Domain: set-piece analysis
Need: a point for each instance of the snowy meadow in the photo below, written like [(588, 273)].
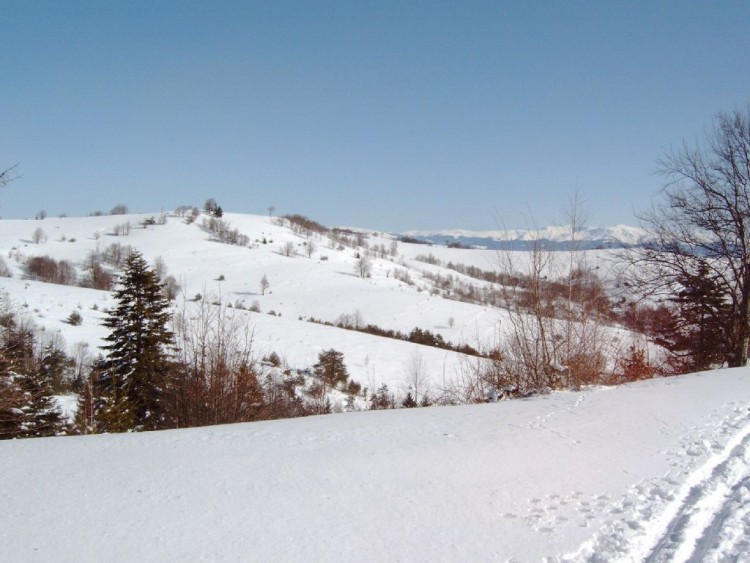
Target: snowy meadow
[(652, 469)]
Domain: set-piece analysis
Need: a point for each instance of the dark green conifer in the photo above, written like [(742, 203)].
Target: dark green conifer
[(135, 380)]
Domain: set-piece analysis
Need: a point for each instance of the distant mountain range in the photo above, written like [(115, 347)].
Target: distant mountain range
[(552, 238)]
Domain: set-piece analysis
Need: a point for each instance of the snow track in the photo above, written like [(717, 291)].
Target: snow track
[(698, 514), (694, 522)]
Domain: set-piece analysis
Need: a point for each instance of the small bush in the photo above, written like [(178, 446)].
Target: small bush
[(75, 318)]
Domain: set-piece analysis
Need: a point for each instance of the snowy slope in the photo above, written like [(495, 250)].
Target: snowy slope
[(323, 286), (655, 471)]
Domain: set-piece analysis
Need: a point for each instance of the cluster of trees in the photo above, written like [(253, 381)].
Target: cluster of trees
[(33, 368), (223, 232), (416, 335), (201, 371), (699, 260)]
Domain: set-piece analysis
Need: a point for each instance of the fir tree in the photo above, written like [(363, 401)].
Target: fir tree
[(331, 368), (382, 399), (136, 376), (700, 332), (409, 402), (27, 406)]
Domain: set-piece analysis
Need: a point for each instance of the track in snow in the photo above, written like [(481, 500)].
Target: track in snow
[(699, 514), (703, 523)]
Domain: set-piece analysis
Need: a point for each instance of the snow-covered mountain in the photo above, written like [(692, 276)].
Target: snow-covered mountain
[(553, 238)]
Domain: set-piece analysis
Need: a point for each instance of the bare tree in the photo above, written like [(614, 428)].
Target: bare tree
[(38, 236), (271, 209), (8, 175), (218, 378), (364, 265), (287, 249), (415, 376), (310, 248), (702, 223), (264, 284)]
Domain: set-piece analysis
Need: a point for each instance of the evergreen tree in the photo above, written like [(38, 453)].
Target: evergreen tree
[(39, 412), (136, 376), (27, 406), (53, 367), (409, 402), (382, 399), (700, 332), (331, 368)]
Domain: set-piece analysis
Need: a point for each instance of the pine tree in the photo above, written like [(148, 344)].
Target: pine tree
[(331, 368), (382, 399), (409, 402), (700, 332), (27, 406), (136, 375)]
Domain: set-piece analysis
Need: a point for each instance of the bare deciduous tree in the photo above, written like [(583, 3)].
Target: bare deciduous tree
[(264, 284), (415, 376), (702, 223), (287, 249), (363, 266), (218, 377), (310, 248), (38, 236), (8, 175)]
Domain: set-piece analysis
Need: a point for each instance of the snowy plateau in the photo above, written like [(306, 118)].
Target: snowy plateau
[(657, 470)]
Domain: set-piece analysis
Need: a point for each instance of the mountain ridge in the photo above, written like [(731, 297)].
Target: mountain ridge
[(551, 237)]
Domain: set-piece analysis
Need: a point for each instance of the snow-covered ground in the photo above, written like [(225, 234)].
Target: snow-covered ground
[(652, 471), (323, 286)]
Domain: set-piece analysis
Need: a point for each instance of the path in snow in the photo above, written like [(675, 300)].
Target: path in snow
[(706, 519)]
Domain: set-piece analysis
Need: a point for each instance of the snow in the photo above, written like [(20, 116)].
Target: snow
[(655, 471), (300, 288), (619, 233)]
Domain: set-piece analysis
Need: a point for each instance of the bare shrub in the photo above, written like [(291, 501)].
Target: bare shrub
[(287, 249), (46, 269), (38, 236), (119, 209), (218, 376)]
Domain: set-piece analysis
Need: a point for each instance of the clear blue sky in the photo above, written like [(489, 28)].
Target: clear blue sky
[(388, 115)]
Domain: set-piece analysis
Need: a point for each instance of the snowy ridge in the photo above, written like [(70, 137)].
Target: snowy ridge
[(557, 238)]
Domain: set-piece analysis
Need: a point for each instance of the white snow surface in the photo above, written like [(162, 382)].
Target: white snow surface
[(323, 286), (652, 471)]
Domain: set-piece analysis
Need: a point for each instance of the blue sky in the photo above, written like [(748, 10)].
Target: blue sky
[(388, 115)]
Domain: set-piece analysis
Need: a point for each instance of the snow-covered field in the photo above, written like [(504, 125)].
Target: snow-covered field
[(653, 471), (323, 286)]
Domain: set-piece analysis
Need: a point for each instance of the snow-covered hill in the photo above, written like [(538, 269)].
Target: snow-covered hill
[(322, 286), (318, 281), (656, 471)]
